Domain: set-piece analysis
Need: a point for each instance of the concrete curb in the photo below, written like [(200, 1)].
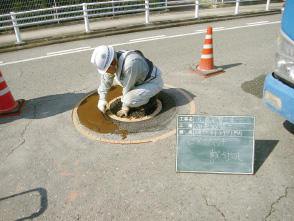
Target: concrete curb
[(128, 29)]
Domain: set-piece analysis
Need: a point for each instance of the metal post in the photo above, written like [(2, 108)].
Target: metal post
[(165, 4), (112, 8), (268, 4), (56, 12), (16, 29), (237, 7), (197, 9), (86, 19), (147, 11)]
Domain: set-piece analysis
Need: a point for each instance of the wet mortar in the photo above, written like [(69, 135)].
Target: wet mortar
[(90, 117), (93, 119), (88, 120)]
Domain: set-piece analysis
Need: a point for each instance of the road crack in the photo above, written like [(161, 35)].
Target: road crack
[(223, 215), (272, 210), (35, 105), (22, 135)]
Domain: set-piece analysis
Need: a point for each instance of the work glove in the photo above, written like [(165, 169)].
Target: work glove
[(103, 105), (124, 111)]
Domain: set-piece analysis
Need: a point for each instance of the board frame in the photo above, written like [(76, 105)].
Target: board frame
[(219, 133)]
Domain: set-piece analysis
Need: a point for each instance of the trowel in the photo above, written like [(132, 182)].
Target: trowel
[(105, 115)]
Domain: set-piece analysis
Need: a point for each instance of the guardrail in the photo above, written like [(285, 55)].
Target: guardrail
[(85, 11)]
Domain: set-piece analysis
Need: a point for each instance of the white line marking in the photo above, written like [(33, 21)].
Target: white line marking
[(135, 42), (247, 26), (43, 57), (201, 30), (255, 23), (174, 36), (149, 38), (204, 30), (1, 62), (218, 28), (69, 51)]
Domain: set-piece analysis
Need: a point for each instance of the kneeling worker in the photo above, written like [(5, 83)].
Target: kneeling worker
[(137, 75)]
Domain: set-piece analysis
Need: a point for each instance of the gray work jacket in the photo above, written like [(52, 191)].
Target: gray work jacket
[(130, 73)]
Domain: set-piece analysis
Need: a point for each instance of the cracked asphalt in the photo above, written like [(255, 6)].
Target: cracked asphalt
[(280, 205)]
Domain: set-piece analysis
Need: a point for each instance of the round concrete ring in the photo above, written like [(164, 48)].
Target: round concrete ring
[(154, 139)]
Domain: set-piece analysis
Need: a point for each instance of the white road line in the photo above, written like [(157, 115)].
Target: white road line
[(43, 57), (202, 30), (134, 42), (217, 28), (247, 26), (255, 23), (148, 38), (69, 51), (1, 62), (166, 37)]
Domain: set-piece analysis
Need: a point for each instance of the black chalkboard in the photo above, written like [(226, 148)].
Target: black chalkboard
[(215, 144)]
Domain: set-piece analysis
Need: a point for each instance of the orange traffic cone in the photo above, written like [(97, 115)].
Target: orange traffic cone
[(206, 67), (8, 106)]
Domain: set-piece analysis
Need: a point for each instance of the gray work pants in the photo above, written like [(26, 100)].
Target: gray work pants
[(141, 94)]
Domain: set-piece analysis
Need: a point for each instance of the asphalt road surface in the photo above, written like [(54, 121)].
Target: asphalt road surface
[(50, 171)]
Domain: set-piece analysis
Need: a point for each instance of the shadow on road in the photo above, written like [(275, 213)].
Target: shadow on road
[(43, 202), (263, 149), (228, 66), (47, 106), (289, 126)]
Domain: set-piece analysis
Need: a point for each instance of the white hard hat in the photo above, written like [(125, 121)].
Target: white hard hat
[(102, 57)]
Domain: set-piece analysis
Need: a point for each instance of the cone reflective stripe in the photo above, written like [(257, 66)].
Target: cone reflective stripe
[(206, 67), (206, 62), (8, 106)]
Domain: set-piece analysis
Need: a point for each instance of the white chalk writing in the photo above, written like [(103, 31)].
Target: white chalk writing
[(224, 156), (185, 119), (217, 142), (229, 133), (214, 119)]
